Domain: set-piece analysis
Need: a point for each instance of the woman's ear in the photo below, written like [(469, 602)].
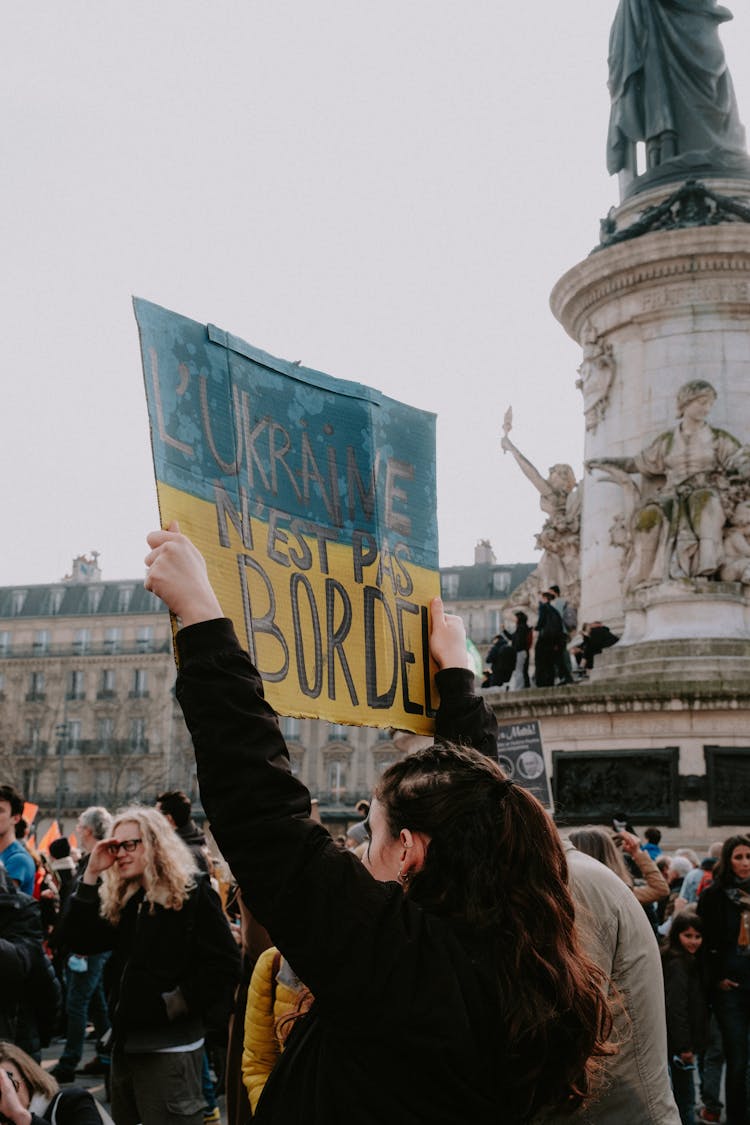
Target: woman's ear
[(413, 850)]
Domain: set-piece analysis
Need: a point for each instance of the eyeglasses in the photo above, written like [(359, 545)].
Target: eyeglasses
[(14, 1080), (126, 845)]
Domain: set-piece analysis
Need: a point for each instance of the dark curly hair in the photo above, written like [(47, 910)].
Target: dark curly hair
[(723, 875), (495, 862)]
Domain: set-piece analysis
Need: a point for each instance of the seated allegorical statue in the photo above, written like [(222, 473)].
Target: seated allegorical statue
[(676, 519)]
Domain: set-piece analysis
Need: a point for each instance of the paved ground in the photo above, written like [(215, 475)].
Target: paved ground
[(51, 1054)]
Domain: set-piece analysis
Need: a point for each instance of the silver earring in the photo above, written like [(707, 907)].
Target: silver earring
[(403, 877)]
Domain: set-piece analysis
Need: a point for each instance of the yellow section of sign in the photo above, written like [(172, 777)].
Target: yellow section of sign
[(338, 631)]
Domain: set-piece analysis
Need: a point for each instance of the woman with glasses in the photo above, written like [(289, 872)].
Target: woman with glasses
[(31, 1096), (173, 968)]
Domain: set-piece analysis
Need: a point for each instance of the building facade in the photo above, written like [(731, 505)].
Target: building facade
[(481, 594), (88, 713)]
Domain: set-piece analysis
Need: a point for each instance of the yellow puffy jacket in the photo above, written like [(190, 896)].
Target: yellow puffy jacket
[(273, 993)]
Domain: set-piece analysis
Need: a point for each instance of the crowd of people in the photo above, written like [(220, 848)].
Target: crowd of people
[(554, 643), (453, 959)]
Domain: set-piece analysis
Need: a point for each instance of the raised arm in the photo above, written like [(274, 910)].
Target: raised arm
[(529, 471)]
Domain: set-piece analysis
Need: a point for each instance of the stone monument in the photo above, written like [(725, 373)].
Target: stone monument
[(661, 311)]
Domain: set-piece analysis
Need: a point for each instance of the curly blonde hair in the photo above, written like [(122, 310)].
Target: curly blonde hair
[(169, 869)]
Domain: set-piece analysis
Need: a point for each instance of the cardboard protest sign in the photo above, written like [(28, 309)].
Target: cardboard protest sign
[(313, 502)]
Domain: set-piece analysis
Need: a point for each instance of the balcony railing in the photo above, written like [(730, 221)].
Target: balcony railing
[(106, 693), (139, 694), (35, 696), (113, 747), (32, 749), (100, 648)]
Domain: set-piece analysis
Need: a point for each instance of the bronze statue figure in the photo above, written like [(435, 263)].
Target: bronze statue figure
[(670, 86)]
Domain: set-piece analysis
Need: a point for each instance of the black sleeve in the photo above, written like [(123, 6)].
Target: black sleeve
[(75, 1106), (82, 928), (15, 965), (340, 929), (709, 907), (676, 987), (463, 717), (216, 960)]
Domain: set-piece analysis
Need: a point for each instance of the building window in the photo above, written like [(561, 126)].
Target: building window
[(55, 600), (28, 783), (290, 726), (501, 581), (133, 782), (76, 688), (17, 601), (106, 732), (107, 684), (112, 639), (138, 735), (124, 594), (36, 687), (81, 640), (140, 684), (337, 732), (41, 642), (2, 682), (70, 781), (449, 584), (93, 597), (33, 735), (4, 642), (337, 780), (144, 638), (74, 734), (102, 784)]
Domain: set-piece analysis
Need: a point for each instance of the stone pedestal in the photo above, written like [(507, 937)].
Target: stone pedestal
[(674, 753), (661, 731), (665, 308)]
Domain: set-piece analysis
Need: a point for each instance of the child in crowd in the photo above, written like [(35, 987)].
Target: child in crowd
[(687, 1011)]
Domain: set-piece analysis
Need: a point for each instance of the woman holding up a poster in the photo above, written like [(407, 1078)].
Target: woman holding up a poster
[(449, 982)]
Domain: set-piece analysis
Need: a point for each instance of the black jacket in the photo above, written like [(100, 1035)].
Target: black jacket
[(172, 973), (404, 1027), (72, 1106), (28, 989), (721, 927), (687, 1010)]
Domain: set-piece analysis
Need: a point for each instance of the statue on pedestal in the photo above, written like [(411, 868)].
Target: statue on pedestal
[(693, 479), (670, 86), (560, 537)]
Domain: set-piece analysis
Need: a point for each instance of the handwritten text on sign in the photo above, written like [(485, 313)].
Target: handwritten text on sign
[(313, 501)]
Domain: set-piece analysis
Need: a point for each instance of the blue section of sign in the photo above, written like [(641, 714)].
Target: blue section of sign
[(274, 435)]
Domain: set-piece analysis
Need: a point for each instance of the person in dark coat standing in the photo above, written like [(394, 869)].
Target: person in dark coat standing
[(687, 1010), (176, 807), (724, 908), (549, 642)]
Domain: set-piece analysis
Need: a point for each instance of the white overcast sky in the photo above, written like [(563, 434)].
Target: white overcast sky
[(386, 191)]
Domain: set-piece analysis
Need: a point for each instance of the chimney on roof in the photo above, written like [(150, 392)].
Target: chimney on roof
[(483, 553), (85, 569)]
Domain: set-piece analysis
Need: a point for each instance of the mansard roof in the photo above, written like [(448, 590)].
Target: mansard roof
[(85, 599)]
